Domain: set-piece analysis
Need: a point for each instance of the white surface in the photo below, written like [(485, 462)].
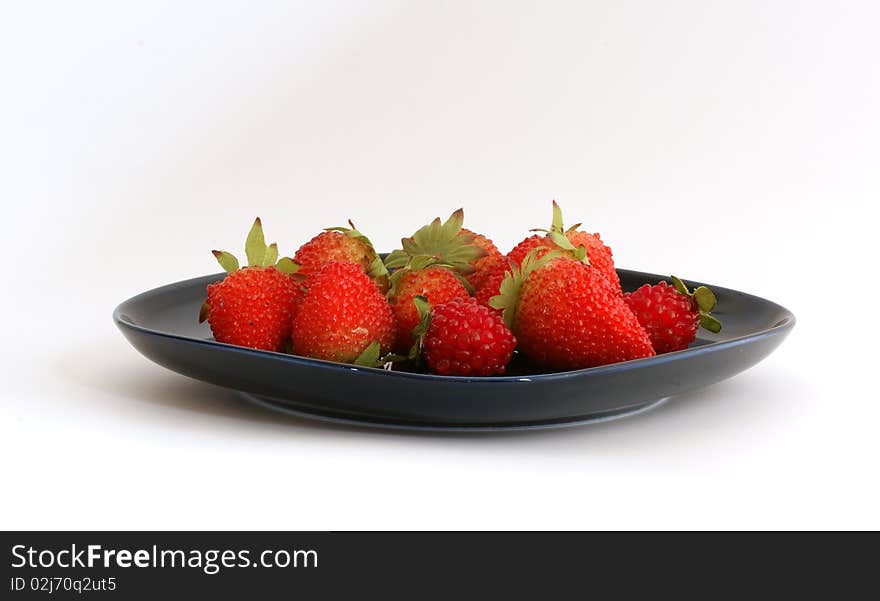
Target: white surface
[(730, 143)]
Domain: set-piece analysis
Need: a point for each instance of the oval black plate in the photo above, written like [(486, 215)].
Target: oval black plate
[(163, 325)]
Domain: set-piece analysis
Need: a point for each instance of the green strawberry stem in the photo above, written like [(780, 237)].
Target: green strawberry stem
[(227, 260), (557, 233), (442, 242), (204, 312), (424, 309), (377, 267), (259, 254), (705, 301), (370, 356), (511, 285)]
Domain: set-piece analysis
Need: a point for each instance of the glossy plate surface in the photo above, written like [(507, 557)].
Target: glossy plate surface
[(163, 325)]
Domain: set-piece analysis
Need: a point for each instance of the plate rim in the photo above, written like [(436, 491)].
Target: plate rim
[(780, 327)]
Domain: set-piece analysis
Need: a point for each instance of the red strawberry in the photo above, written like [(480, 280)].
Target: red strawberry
[(433, 263), (341, 316), (341, 244), (567, 315), (483, 266), (492, 285), (570, 241), (437, 284), (598, 253), (519, 252), (465, 338), (252, 306), (672, 314)]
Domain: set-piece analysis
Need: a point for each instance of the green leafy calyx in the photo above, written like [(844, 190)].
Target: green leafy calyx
[(259, 254), (227, 260), (377, 268), (424, 310), (371, 356), (286, 265), (204, 312), (511, 285), (557, 233), (438, 243), (705, 300)]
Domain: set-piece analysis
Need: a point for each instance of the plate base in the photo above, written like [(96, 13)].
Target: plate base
[(374, 422)]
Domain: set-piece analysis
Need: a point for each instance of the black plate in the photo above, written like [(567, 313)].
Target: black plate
[(163, 325)]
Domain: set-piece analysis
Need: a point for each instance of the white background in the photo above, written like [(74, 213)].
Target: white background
[(734, 143)]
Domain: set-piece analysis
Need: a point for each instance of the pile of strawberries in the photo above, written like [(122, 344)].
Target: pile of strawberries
[(449, 301)]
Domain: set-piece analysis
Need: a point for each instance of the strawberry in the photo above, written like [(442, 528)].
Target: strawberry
[(672, 314), (598, 254), (567, 315), (341, 244), (433, 263), (519, 252), (570, 241), (483, 266), (437, 284), (252, 306), (342, 315), (465, 338), (491, 285)]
